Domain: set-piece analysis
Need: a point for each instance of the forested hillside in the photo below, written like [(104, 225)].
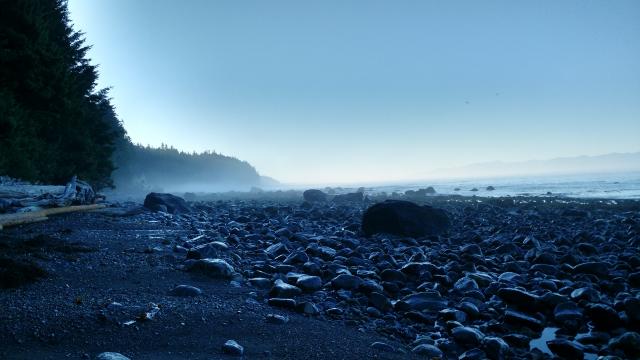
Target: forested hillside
[(144, 168), (56, 123)]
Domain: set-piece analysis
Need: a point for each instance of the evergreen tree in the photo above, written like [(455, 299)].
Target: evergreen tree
[(54, 123)]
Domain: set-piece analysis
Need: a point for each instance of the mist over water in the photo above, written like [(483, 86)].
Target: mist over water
[(610, 186)]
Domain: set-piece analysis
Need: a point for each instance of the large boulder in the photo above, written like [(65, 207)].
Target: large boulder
[(166, 202), (350, 197), (215, 268), (420, 192), (314, 195), (404, 218)]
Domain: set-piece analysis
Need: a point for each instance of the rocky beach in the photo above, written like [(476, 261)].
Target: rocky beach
[(286, 275)]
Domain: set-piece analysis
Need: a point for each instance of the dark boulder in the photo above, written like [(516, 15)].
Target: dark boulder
[(404, 218), (171, 203), (566, 349), (356, 197), (420, 192), (314, 195)]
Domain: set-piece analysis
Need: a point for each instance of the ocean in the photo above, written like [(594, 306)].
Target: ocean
[(609, 186)]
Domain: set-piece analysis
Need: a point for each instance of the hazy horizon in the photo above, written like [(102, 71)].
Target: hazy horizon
[(355, 91)]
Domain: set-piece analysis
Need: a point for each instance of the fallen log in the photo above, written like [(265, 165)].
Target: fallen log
[(40, 215), (19, 196), (29, 191)]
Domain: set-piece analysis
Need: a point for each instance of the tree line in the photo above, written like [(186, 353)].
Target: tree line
[(56, 123)]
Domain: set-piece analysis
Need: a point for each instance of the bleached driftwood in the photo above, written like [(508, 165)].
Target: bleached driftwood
[(7, 220), (25, 196), (29, 191)]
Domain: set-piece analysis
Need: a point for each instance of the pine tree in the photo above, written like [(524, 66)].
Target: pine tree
[(54, 123)]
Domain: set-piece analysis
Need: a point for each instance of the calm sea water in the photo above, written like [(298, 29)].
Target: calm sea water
[(610, 186)]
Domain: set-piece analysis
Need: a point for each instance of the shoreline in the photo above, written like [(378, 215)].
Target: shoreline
[(493, 281)]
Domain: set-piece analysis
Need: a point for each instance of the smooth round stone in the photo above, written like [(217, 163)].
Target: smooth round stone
[(568, 311), (233, 348), (495, 347), (481, 278), (587, 249), (185, 290), (593, 337), (465, 284), (296, 257), (209, 250), (598, 268), (511, 277), (415, 268), (549, 285), (370, 285), (260, 283), (308, 308), (335, 312), (277, 319), (585, 293), (378, 345), (552, 299), (276, 249), (111, 356), (519, 318), (469, 308), (426, 300), (628, 342), (346, 281), (309, 282), (517, 340), (603, 316), (419, 317), (283, 290), (466, 335), (428, 351), (632, 308), (215, 268), (453, 315), (282, 302), (326, 252), (471, 249), (518, 297), (311, 268), (373, 312), (545, 269), (423, 339), (566, 349), (473, 354), (379, 301), (393, 275)]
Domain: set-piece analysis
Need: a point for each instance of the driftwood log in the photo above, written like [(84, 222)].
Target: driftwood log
[(7, 220), (76, 192), (24, 203)]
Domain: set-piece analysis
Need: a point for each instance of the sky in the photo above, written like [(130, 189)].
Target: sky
[(349, 91)]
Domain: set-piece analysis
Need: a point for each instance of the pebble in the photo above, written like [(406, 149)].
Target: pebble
[(231, 347), (566, 349), (111, 356), (309, 282), (283, 290), (504, 267), (277, 319), (185, 290), (466, 335), (428, 351), (383, 347)]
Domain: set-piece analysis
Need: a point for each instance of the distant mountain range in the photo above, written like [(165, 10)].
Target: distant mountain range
[(615, 162)]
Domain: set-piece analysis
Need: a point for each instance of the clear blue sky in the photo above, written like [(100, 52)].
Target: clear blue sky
[(344, 91)]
